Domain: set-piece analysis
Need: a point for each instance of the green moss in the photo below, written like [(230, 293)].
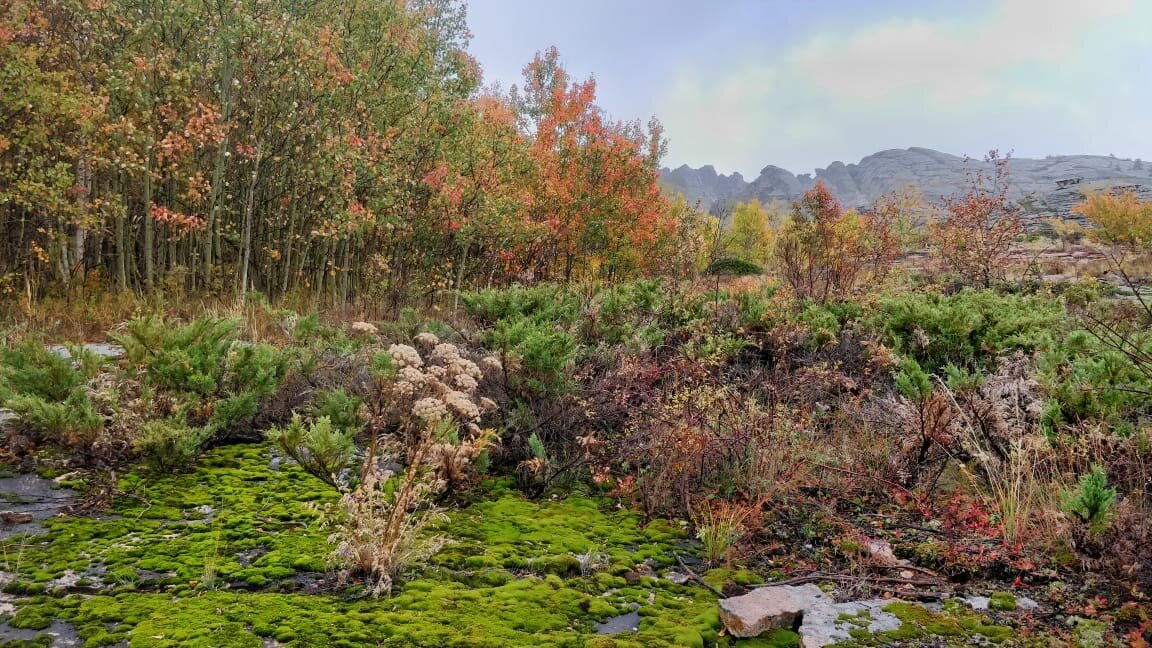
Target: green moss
[(779, 638), (177, 574), (1002, 601), (918, 622)]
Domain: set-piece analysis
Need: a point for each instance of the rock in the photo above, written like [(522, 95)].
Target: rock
[(364, 328), (767, 608), (15, 517), (629, 622), (830, 623), (676, 578)]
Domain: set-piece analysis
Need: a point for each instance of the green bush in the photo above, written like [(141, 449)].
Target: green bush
[(1090, 380), (543, 304), (321, 448), (47, 392), (30, 369), (969, 329), (733, 267), (65, 423), (202, 362), (1091, 501), (546, 354), (184, 358), (533, 323), (339, 407), (167, 445), (913, 382)]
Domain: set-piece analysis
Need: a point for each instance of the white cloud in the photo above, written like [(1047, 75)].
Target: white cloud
[(1027, 70)]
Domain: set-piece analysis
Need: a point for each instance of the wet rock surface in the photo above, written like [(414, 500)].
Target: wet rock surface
[(26, 500), (629, 622)]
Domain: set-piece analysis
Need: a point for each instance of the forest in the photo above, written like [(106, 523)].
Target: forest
[(309, 336)]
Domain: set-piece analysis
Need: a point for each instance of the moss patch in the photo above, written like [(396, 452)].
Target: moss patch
[(210, 558)]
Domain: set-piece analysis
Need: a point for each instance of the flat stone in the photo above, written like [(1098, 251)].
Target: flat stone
[(830, 623), (676, 578), (768, 608)]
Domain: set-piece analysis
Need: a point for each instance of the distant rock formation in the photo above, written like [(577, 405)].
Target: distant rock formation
[(1047, 187)]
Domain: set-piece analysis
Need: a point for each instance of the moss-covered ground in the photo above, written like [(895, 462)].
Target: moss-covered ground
[(230, 554)]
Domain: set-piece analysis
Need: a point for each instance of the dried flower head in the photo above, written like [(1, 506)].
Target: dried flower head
[(405, 356), (430, 409), (426, 340)]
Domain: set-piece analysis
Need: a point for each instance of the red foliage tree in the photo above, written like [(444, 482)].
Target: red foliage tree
[(974, 238)]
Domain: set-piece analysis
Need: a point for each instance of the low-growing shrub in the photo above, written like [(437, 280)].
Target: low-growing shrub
[(969, 329), (1091, 501), (322, 448), (167, 445)]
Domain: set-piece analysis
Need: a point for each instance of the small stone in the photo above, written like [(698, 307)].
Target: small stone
[(882, 553), (15, 517), (768, 608), (977, 602), (1026, 604), (676, 578)]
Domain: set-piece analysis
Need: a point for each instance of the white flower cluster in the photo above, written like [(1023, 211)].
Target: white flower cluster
[(430, 409), (405, 356), (461, 404), (446, 385)]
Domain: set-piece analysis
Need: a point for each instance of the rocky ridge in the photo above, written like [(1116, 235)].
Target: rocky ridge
[(1044, 187)]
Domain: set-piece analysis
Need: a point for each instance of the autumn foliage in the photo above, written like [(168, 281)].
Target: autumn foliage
[(973, 240), (338, 149), (826, 253)]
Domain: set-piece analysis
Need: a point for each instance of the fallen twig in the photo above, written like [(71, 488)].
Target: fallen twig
[(820, 576), (695, 576)]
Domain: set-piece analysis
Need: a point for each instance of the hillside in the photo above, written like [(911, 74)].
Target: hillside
[(1046, 186)]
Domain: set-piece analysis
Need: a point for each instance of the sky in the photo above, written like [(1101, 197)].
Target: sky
[(741, 84)]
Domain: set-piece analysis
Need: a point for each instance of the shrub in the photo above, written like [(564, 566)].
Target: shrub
[(544, 303), (734, 267), (217, 379), (974, 238), (30, 369), (183, 358), (969, 329), (826, 253), (379, 526), (69, 423), (341, 408), (167, 445), (48, 392), (1091, 501), (322, 449), (1090, 380)]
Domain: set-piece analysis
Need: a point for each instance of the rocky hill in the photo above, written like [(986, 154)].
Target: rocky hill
[(1048, 186)]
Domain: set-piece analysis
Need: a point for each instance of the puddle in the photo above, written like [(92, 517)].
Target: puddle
[(623, 623), (26, 500)]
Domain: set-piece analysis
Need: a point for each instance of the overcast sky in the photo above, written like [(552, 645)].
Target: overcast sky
[(740, 84)]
